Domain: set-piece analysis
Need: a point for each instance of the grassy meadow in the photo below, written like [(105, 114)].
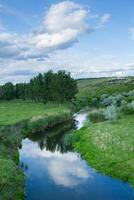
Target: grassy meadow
[(15, 111), (109, 147)]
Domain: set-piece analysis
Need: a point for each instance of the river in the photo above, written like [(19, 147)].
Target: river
[(56, 173)]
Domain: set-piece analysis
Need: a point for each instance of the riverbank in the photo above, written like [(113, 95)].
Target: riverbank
[(109, 147), (18, 119)]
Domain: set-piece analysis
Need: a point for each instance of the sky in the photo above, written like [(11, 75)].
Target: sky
[(89, 38)]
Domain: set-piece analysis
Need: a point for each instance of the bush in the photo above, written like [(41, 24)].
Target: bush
[(97, 116), (127, 108), (95, 102), (130, 99), (103, 96), (112, 100), (119, 98), (111, 113)]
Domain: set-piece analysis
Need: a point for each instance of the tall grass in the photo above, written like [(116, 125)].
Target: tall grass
[(42, 122)]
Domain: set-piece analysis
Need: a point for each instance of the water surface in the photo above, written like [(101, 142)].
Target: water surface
[(55, 173)]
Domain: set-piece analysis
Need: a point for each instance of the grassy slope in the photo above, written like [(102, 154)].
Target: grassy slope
[(11, 178), (109, 147), (98, 86)]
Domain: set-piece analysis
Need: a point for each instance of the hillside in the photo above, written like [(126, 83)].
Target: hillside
[(91, 88)]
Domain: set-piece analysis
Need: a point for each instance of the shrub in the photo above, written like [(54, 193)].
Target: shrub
[(97, 116), (103, 96), (112, 100), (119, 98), (130, 99), (95, 102), (111, 113), (108, 101), (127, 108)]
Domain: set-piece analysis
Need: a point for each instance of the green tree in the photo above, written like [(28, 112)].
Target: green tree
[(9, 92)]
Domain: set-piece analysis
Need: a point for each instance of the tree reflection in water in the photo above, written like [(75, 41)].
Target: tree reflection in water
[(52, 139)]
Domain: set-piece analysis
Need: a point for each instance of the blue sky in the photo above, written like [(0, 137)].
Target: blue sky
[(90, 38)]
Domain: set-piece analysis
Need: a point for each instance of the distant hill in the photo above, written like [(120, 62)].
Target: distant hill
[(95, 87)]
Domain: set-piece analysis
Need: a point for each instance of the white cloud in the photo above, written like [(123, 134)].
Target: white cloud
[(60, 28), (62, 25), (83, 64), (104, 19), (65, 15), (65, 169)]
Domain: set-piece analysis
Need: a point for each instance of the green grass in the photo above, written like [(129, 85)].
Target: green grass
[(12, 112), (11, 180), (17, 119), (109, 147)]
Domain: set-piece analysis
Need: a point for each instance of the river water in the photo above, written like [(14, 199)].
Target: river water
[(55, 173)]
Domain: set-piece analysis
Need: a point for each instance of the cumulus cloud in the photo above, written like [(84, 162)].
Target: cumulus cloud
[(65, 15), (60, 28), (65, 169)]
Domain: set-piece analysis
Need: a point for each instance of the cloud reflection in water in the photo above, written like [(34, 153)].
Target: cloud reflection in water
[(65, 169)]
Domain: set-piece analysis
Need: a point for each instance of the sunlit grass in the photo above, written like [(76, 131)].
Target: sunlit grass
[(109, 147), (14, 111)]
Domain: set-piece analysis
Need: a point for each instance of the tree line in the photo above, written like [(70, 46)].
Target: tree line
[(49, 86)]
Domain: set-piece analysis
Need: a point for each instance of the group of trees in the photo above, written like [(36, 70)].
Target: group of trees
[(45, 87)]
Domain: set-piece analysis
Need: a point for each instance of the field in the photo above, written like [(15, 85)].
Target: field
[(14, 115), (12, 112)]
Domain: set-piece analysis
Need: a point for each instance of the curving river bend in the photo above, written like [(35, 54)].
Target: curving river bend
[(55, 173)]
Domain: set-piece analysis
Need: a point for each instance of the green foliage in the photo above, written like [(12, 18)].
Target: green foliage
[(111, 100), (8, 91), (50, 86), (111, 113), (127, 108)]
